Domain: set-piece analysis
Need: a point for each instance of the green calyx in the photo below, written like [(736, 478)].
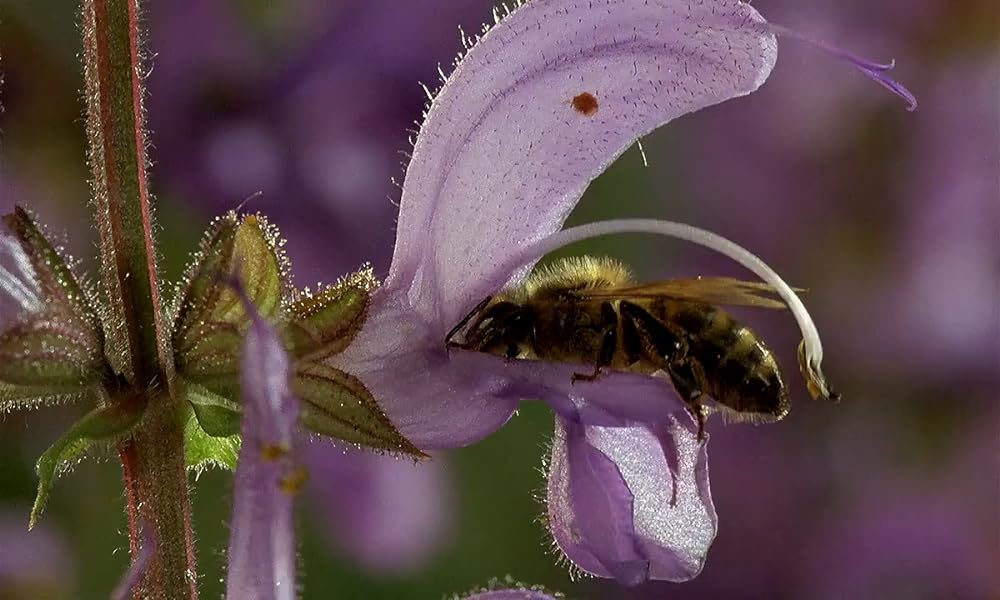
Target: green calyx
[(210, 324), (56, 349), (325, 323), (210, 320), (338, 405)]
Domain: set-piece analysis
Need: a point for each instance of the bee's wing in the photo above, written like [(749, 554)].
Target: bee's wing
[(710, 290)]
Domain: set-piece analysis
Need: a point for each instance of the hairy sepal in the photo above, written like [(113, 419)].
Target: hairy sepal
[(58, 348), (325, 323), (105, 425), (210, 320), (50, 352), (63, 293), (338, 405)]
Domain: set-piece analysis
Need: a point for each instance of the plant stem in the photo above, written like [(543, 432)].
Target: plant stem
[(138, 343), (117, 140), (157, 497)]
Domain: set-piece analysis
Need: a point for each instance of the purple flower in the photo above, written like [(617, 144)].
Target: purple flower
[(499, 163), (262, 533), (133, 576), (33, 565), (536, 109)]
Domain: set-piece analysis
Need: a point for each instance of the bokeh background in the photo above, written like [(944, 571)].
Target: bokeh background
[(890, 218)]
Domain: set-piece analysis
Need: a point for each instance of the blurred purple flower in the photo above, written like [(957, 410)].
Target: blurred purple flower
[(138, 567), (262, 533), (33, 565), (317, 127), (941, 279), (389, 514)]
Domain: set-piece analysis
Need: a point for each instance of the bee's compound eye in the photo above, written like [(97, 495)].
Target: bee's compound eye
[(486, 322)]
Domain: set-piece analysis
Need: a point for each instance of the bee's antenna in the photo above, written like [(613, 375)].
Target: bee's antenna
[(454, 330)]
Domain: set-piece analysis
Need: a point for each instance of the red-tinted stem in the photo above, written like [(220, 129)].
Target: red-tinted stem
[(149, 465), (137, 337)]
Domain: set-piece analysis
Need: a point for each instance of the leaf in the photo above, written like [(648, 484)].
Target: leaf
[(217, 416), (336, 404), (203, 449), (326, 323), (104, 424)]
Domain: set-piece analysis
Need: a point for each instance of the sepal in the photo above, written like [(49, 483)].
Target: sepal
[(60, 289), (338, 405), (210, 320), (325, 323), (50, 352), (51, 341)]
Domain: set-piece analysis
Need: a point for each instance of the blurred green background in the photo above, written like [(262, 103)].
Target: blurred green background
[(890, 218)]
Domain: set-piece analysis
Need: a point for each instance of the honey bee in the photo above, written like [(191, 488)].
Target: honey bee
[(590, 311)]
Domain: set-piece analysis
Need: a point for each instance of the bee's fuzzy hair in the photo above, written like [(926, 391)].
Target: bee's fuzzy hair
[(575, 272)]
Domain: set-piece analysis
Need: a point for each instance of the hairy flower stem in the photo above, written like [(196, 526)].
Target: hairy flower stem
[(157, 496), (137, 337)]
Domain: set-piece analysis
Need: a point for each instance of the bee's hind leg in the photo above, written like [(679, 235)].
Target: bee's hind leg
[(689, 380), (609, 343)]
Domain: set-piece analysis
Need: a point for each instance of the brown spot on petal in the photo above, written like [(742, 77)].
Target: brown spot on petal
[(585, 104)]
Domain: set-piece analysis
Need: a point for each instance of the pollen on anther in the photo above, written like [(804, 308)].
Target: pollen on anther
[(273, 452), (585, 103), (292, 483)]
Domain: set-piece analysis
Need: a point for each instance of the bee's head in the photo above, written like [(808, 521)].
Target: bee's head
[(500, 328)]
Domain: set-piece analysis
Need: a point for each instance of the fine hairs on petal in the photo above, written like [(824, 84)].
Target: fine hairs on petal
[(811, 350)]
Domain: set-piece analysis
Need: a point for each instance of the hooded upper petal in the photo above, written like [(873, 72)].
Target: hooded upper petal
[(262, 536), (631, 503), (537, 108), (506, 152)]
